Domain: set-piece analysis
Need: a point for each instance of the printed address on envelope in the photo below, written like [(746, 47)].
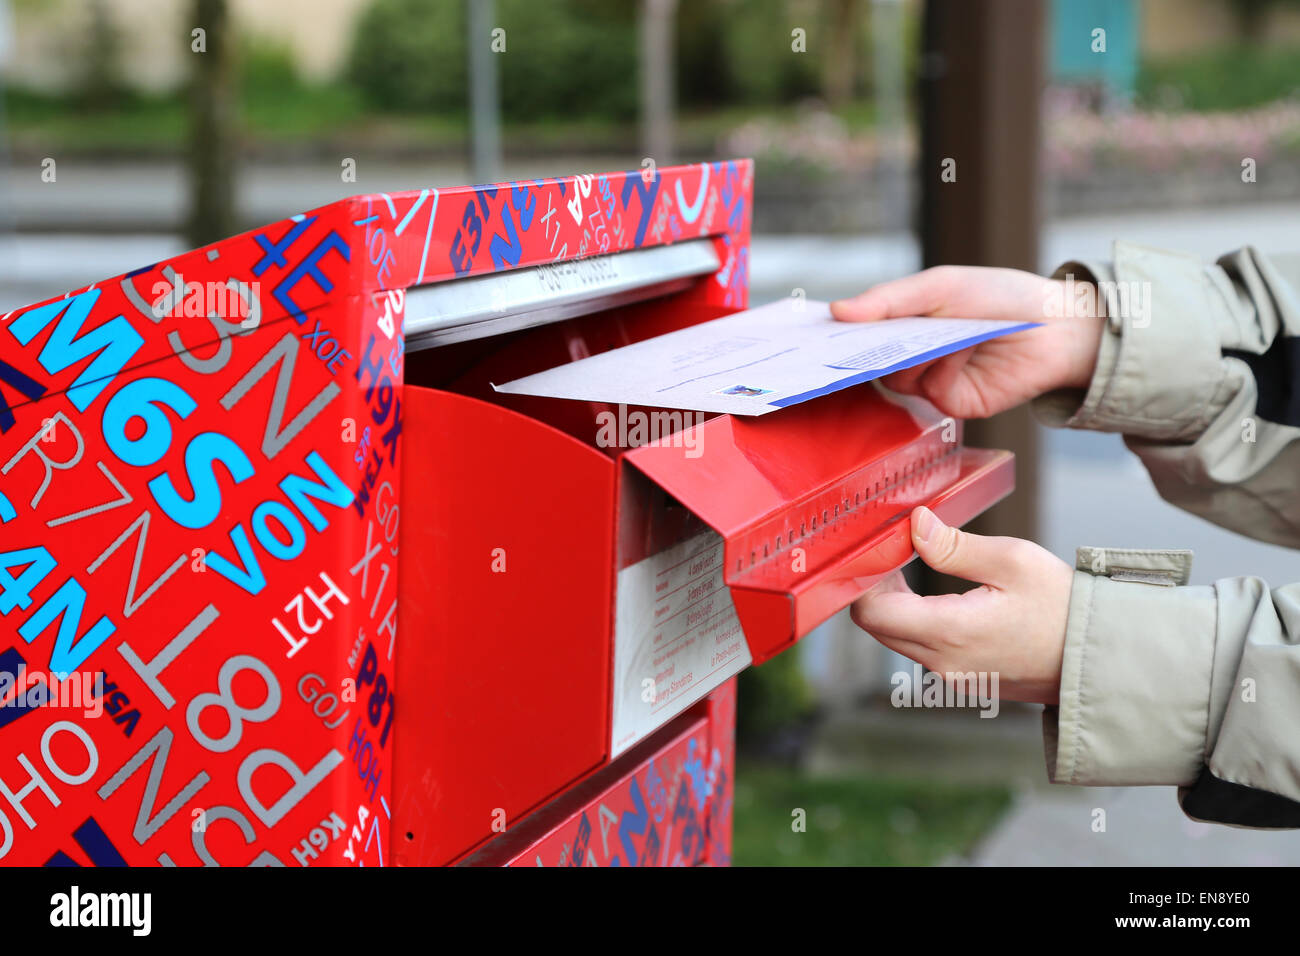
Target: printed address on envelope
[(758, 361)]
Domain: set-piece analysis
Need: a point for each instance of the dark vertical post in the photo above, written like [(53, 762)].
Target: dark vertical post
[(212, 127), (982, 73)]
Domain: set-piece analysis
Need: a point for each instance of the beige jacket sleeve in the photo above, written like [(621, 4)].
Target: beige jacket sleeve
[(1194, 687)]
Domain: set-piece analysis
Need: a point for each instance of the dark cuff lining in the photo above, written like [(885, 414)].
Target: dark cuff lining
[(1222, 802)]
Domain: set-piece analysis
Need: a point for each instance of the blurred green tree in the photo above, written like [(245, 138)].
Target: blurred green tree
[(409, 56), (567, 58), (562, 58), (99, 85)]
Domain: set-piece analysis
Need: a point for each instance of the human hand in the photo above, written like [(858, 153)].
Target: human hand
[(1003, 372), (1013, 624)]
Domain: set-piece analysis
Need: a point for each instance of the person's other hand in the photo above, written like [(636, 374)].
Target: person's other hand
[(1000, 373), (1013, 624)]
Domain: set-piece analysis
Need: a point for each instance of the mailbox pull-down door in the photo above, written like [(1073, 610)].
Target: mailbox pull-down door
[(814, 501)]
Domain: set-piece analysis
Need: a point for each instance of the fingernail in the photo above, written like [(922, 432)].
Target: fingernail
[(923, 523)]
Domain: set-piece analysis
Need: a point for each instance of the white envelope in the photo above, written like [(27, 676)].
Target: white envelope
[(758, 361)]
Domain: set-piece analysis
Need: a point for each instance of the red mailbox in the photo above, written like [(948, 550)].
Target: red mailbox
[(283, 580)]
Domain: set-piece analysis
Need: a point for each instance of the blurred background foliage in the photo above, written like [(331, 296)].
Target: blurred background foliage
[(404, 79), (409, 56), (1184, 89), (1229, 77), (401, 86)]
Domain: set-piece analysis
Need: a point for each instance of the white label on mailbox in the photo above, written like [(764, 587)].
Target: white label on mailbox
[(676, 636)]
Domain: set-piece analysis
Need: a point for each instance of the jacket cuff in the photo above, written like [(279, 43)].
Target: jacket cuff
[(1159, 372), (1136, 673)]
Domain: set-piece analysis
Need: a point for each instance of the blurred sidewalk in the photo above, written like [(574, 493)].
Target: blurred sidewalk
[(1047, 825), (1144, 827)]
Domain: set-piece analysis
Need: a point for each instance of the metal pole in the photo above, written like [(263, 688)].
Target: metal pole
[(891, 182), (484, 98), (6, 161), (887, 38), (655, 38)]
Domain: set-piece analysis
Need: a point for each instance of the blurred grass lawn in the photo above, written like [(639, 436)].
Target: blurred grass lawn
[(857, 821)]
